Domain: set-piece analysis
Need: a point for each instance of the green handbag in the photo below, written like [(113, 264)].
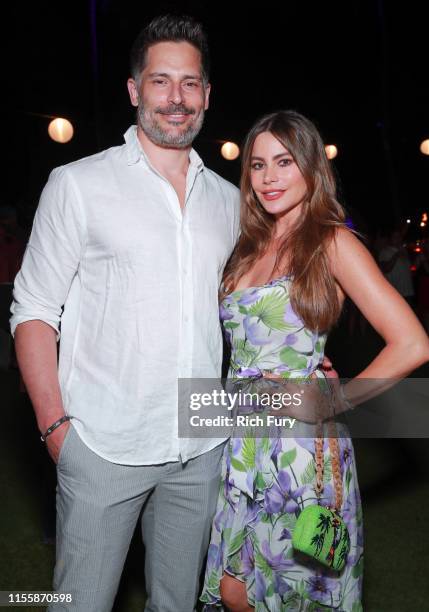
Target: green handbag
[(320, 532)]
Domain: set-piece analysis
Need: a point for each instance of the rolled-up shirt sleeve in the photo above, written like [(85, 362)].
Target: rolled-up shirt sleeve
[(53, 254)]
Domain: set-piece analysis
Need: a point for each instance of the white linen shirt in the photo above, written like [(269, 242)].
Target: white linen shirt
[(138, 280)]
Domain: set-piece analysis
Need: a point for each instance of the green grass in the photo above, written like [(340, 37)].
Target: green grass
[(395, 494)]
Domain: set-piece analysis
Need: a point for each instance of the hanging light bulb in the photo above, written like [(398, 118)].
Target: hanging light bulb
[(331, 151), (60, 130), (424, 147), (230, 150)]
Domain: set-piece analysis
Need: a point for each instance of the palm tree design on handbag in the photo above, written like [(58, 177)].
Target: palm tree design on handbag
[(324, 525), (336, 524), (345, 547)]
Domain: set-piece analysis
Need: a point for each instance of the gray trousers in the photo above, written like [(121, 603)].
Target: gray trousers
[(98, 505)]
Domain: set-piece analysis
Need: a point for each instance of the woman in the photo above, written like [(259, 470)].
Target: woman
[(283, 290)]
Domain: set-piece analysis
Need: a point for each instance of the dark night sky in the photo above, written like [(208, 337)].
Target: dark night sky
[(358, 69)]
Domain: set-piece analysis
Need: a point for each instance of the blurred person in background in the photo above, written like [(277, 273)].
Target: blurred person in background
[(12, 245), (422, 265), (11, 251), (396, 266)]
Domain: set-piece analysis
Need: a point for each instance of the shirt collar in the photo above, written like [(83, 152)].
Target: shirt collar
[(135, 151)]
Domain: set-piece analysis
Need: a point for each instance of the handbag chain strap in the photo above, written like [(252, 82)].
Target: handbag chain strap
[(334, 448)]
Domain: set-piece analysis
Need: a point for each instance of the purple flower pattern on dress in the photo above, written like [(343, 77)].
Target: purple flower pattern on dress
[(321, 589), (247, 557), (255, 334), (275, 561), (291, 339), (225, 314), (281, 497), (291, 318), (249, 297)]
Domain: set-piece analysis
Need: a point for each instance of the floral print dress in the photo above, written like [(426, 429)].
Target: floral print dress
[(266, 482)]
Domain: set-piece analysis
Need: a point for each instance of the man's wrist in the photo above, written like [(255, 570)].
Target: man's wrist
[(54, 426)]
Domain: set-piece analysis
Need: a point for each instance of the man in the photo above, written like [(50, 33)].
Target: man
[(132, 243)]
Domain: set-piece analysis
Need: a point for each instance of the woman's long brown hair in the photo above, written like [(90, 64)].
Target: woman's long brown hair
[(303, 252)]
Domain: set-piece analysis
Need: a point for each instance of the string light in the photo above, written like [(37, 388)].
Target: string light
[(230, 150), (331, 151), (60, 130), (424, 147)]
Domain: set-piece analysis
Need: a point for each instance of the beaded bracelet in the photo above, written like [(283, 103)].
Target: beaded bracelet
[(54, 426)]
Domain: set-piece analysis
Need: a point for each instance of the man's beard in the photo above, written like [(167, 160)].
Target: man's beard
[(163, 138)]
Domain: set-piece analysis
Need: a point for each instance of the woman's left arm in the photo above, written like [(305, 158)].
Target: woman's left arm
[(407, 344)]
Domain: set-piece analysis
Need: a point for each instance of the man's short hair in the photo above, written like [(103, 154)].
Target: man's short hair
[(170, 28)]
